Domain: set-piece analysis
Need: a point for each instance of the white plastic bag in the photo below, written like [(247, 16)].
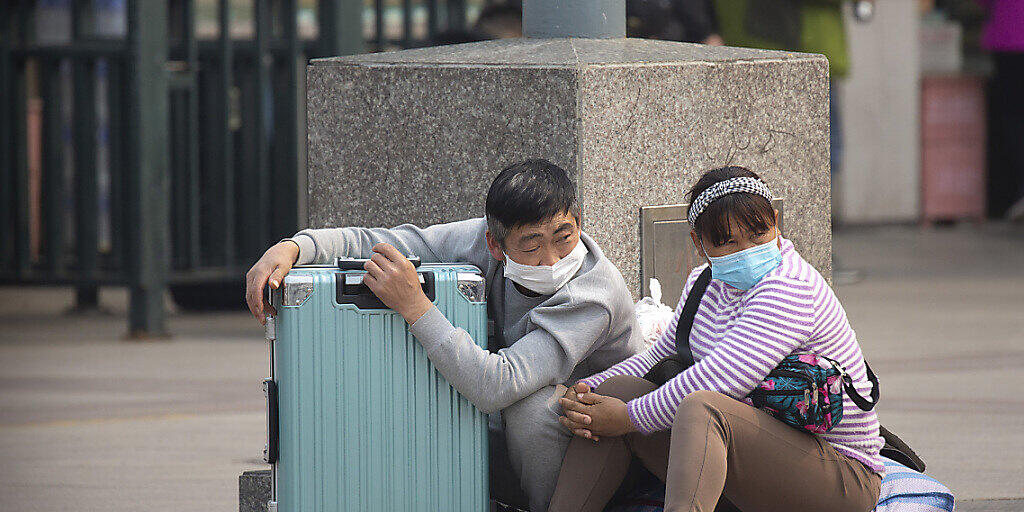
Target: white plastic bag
[(652, 315)]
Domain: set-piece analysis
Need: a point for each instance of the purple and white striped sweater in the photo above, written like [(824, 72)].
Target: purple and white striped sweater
[(739, 336)]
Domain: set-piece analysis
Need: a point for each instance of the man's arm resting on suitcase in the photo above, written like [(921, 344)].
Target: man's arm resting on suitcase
[(461, 241), (563, 336)]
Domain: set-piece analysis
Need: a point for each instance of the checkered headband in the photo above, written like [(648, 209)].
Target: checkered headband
[(726, 187)]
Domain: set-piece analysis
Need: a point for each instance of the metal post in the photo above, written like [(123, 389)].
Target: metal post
[(378, 25), (261, 124), (285, 190), (147, 161), (600, 19), (86, 192), (191, 115), (223, 207), (431, 19), (19, 171), (53, 167), (341, 28), (116, 97), (406, 23), (7, 147), (456, 14)]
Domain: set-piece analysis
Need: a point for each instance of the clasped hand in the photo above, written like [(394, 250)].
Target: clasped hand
[(590, 415)]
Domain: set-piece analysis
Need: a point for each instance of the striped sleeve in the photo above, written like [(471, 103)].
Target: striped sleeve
[(641, 363), (777, 319)]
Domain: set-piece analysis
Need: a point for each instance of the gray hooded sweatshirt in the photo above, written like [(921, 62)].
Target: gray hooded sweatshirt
[(583, 328)]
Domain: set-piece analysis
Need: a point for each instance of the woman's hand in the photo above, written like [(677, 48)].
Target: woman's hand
[(577, 423), (598, 415), (271, 268)]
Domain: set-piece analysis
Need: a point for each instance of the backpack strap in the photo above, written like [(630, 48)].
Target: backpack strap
[(685, 323)]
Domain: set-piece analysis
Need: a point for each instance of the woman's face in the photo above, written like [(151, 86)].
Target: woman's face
[(741, 238)]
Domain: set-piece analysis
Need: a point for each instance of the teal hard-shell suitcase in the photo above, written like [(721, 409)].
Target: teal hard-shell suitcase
[(358, 417)]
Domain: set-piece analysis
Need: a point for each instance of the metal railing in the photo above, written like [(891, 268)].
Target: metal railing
[(156, 157)]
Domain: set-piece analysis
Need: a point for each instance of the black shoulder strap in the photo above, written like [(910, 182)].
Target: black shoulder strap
[(860, 401), (898, 450), (685, 323), (686, 356)]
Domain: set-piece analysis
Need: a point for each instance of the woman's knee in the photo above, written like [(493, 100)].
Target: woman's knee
[(698, 405), (625, 387)]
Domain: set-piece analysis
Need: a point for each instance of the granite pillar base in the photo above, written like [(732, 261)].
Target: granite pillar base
[(418, 135)]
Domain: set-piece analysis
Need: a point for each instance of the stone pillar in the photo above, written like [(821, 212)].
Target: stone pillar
[(418, 135)]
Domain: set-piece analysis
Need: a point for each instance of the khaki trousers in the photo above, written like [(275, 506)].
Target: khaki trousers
[(718, 447)]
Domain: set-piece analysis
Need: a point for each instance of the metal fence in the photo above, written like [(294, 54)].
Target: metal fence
[(157, 158)]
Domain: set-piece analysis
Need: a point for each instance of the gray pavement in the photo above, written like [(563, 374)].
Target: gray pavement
[(92, 422), (940, 316)]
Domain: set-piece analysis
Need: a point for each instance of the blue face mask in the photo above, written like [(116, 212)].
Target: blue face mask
[(745, 268)]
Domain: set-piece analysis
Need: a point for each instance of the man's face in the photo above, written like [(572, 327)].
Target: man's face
[(543, 243)]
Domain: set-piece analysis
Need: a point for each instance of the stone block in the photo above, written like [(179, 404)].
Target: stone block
[(254, 491), (418, 135)]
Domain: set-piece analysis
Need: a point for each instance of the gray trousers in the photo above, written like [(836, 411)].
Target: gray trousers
[(527, 444)]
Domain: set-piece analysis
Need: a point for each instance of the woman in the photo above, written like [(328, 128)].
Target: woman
[(764, 302)]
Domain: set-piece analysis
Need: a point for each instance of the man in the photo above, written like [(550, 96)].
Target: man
[(561, 309)]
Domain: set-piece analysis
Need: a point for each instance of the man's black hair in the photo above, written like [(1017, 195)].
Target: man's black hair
[(529, 192)]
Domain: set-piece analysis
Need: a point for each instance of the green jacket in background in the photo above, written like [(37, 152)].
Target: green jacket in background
[(819, 23)]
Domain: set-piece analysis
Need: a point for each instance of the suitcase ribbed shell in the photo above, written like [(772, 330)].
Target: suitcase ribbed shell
[(366, 422)]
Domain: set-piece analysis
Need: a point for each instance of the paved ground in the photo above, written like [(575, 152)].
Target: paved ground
[(91, 422), (940, 315)]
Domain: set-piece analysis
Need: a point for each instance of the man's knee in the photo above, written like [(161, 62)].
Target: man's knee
[(625, 387), (533, 418), (538, 405), (536, 443)]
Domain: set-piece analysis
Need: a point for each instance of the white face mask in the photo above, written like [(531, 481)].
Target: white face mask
[(546, 279)]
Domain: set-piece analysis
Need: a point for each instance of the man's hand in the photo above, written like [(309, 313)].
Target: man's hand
[(577, 391), (393, 279), (607, 415), (271, 267)]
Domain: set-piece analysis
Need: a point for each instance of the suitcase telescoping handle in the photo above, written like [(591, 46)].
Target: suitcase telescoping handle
[(357, 263), (350, 289), (273, 435), (272, 450)]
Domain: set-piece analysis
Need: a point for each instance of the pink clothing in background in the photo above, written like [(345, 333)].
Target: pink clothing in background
[(1004, 31)]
